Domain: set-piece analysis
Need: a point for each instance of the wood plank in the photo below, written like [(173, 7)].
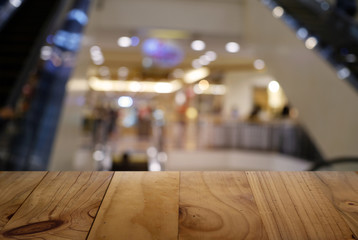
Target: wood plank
[(15, 188), (139, 205), (218, 205), (342, 189), (293, 206), (62, 206)]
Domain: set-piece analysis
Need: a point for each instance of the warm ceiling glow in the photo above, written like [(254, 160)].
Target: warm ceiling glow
[(134, 86), (214, 89), (196, 75), (203, 85)]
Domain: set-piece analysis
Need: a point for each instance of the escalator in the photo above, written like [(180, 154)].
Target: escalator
[(20, 40), (333, 27), (32, 88), (311, 48)]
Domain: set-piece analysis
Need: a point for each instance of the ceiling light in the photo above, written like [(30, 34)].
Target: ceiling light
[(232, 47), (163, 87), (203, 85), (274, 86), (196, 74), (198, 45), (259, 64), (124, 42), (134, 86), (204, 60), (196, 63), (125, 101), (211, 55)]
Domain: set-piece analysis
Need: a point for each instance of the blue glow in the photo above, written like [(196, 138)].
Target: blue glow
[(150, 46), (49, 39), (78, 15), (67, 40), (164, 53), (135, 41)]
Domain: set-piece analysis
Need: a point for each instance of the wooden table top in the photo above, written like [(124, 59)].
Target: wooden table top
[(178, 205)]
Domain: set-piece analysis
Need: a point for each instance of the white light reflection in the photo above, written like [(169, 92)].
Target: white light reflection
[(98, 155), (311, 42), (46, 52), (154, 167), (15, 3), (343, 73), (277, 12), (196, 75)]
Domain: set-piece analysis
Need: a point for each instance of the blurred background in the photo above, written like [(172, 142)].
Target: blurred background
[(160, 85)]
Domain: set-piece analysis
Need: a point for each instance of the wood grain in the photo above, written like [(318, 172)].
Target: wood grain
[(218, 205), (62, 206), (15, 188), (293, 206), (342, 189), (139, 205)]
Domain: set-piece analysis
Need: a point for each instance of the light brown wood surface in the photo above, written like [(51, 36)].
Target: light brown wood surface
[(218, 205), (62, 206), (15, 187), (293, 207), (139, 206), (342, 190), (173, 205)]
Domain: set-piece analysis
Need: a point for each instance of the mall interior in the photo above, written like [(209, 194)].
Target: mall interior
[(178, 85)]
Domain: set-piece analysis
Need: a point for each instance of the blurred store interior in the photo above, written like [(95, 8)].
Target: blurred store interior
[(134, 85)]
